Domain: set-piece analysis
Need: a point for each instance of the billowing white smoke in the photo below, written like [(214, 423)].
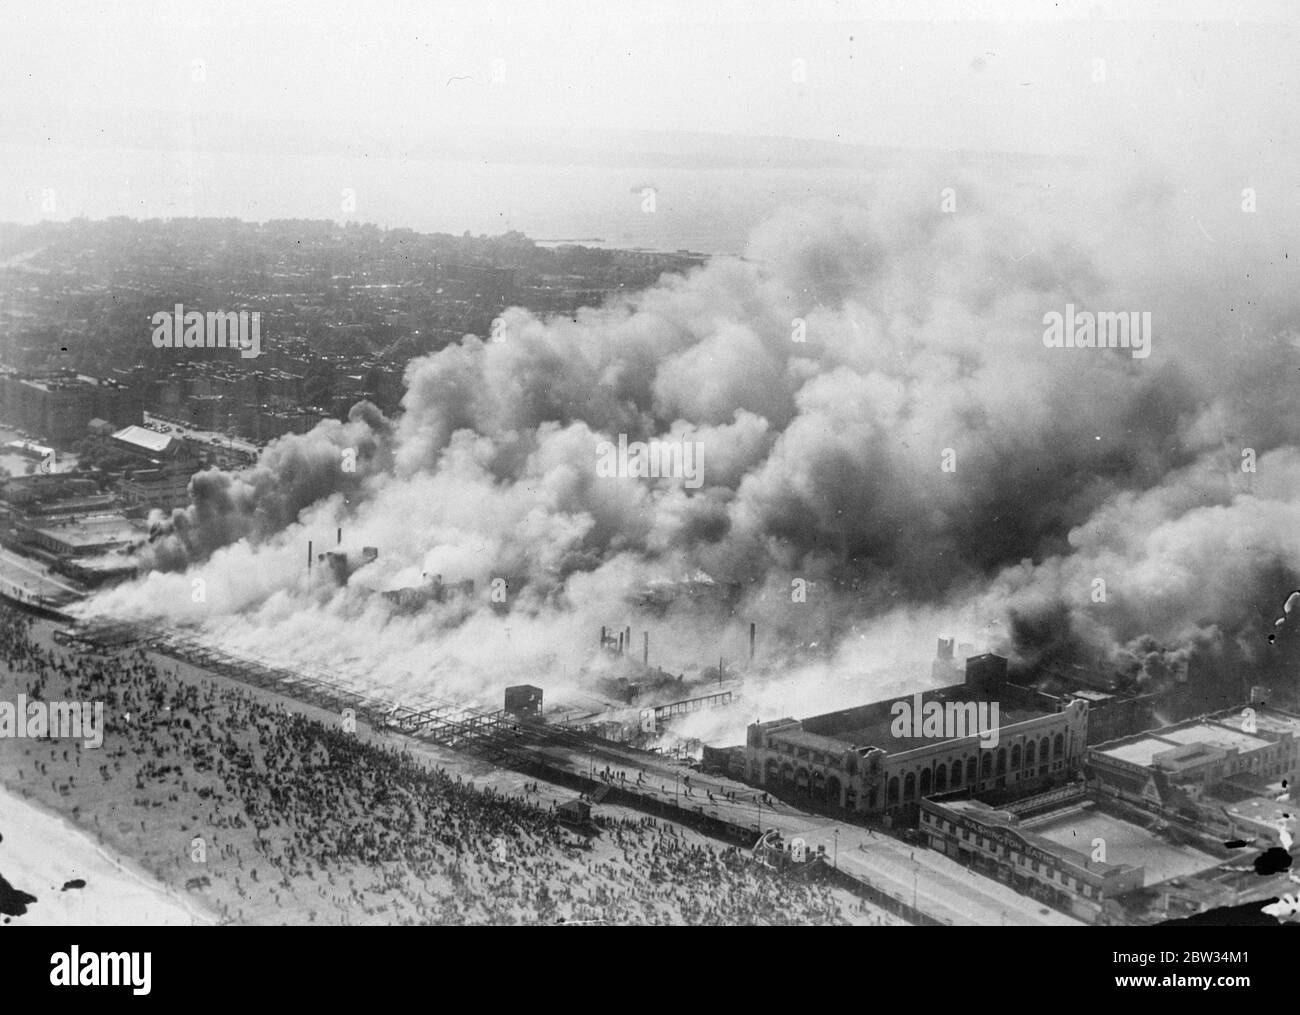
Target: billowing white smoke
[(822, 458)]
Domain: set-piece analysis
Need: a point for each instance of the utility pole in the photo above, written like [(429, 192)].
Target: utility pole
[(837, 849)]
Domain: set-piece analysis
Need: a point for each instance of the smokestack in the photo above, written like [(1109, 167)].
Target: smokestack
[(309, 556), (752, 627), (339, 540), (620, 642), (645, 648), (627, 642), (602, 637)]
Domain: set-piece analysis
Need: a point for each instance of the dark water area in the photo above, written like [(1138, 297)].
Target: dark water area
[(13, 901)]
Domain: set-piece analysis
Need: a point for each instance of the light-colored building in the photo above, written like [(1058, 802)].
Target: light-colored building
[(1206, 771), (856, 760), (155, 488), (145, 442), (86, 536), (1198, 753), (1000, 843)]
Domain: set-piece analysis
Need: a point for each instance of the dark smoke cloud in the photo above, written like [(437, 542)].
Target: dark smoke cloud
[(253, 504), (822, 458)]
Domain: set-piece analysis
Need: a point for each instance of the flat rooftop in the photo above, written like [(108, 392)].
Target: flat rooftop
[(140, 437), (1213, 734), (1126, 843), (1089, 695), (1221, 731), (1062, 835), (880, 734), (1276, 722), (1139, 752), (872, 725), (1264, 811), (93, 531)]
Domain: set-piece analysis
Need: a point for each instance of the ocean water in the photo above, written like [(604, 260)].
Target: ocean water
[(710, 211)]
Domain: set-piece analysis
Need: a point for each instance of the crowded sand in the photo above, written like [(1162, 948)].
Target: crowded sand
[(244, 810)]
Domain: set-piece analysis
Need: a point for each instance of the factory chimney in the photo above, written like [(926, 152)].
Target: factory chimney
[(602, 638), (339, 541), (645, 648), (752, 628), (309, 556), (620, 642)]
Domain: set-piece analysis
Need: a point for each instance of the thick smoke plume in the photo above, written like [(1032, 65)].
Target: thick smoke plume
[(923, 337)]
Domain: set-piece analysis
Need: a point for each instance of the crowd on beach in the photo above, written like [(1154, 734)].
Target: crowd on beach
[(268, 815)]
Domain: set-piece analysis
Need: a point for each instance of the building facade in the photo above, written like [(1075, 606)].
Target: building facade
[(57, 407), (994, 842), (1219, 772), (853, 760)]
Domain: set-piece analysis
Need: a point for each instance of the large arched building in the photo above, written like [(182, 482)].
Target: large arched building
[(883, 759)]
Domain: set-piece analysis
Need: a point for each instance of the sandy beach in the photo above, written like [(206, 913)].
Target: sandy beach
[(262, 811), (40, 854)]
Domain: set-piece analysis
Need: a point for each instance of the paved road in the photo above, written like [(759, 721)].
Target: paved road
[(941, 887), (22, 575)]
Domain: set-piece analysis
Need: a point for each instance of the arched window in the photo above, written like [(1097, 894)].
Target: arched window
[(970, 770), (1015, 757), (941, 778), (893, 790), (925, 782), (1058, 746), (1029, 754), (1044, 746), (1002, 761), (909, 786), (986, 766)]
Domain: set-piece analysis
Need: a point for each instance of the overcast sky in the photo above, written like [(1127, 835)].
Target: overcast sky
[(951, 75), (270, 109)]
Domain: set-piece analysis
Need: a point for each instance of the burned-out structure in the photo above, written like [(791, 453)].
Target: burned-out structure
[(524, 700)]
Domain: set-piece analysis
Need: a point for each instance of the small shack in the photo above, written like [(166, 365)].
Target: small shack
[(524, 700), (575, 812)]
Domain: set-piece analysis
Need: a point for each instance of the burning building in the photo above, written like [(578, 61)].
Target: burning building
[(432, 590)]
